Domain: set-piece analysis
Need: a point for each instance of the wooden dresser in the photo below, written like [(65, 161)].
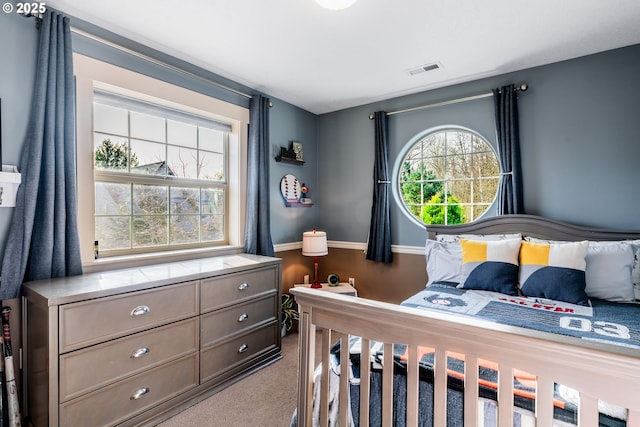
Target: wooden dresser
[(135, 346)]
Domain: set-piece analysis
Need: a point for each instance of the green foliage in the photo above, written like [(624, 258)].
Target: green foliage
[(433, 213), (110, 155), (418, 186), (289, 311)]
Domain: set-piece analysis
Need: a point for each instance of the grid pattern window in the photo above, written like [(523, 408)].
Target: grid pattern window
[(449, 176), (160, 177)]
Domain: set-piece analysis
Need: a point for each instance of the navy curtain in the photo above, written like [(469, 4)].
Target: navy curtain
[(510, 199), (43, 239), (257, 238), (379, 242)]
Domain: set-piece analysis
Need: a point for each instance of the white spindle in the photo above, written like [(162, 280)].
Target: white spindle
[(440, 388), (412, 385), (471, 391)]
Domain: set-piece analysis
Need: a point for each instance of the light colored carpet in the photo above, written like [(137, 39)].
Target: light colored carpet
[(264, 399)]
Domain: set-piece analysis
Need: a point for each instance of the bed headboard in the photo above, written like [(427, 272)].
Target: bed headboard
[(535, 226)]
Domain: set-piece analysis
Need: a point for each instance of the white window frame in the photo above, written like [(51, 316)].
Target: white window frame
[(396, 188), (91, 74)]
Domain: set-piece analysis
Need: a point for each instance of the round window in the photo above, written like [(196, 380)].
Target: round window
[(448, 176)]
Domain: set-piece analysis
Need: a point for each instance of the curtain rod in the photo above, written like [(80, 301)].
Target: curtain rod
[(156, 61), (522, 87)]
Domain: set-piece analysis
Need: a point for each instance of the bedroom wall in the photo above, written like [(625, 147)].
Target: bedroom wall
[(17, 72), (579, 138), (580, 142)]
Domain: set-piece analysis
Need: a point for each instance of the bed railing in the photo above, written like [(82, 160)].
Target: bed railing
[(597, 371)]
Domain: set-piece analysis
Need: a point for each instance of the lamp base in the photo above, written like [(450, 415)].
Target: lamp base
[(316, 285)]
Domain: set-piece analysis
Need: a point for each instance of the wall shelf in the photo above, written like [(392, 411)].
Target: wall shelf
[(297, 205), (290, 161)]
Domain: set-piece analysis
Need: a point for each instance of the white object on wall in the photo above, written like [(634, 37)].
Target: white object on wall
[(10, 180)]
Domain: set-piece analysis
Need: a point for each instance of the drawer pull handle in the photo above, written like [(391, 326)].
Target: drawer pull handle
[(243, 348), (243, 317), (140, 352), (140, 310), (243, 286), (138, 394)]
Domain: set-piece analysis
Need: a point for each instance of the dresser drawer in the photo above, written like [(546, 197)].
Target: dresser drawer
[(228, 321), (112, 361), (122, 400), (225, 290), (90, 322), (226, 356)]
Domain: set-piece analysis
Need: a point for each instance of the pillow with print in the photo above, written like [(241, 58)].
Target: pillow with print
[(610, 268), (444, 255), (490, 265), (554, 270)]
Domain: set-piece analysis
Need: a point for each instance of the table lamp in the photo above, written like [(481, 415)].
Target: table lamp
[(314, 243)]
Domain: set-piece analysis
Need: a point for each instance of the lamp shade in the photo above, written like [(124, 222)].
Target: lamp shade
[(314, 243)]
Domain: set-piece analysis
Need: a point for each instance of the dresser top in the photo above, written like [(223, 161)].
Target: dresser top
[(95, 285)]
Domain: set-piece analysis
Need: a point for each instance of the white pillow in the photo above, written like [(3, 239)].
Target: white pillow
[(444, 261), (608, 273)]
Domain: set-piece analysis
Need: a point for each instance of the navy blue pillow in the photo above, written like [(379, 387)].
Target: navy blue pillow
[(558, 283), (494, 276)]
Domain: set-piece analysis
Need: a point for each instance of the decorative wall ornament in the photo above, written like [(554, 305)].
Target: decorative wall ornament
[(293, 192), (291, 155)]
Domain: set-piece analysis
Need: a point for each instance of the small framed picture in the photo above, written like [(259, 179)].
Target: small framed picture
[(297, 149)]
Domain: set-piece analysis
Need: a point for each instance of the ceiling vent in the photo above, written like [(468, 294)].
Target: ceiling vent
[(425, 68)]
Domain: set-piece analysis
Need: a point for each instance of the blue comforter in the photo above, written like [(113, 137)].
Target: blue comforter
[(614, 323)]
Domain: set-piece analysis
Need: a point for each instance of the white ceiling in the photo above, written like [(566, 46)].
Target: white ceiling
[(324, 61)]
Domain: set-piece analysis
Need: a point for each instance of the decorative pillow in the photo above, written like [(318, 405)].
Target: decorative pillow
[(554, 270), (444, 255), (608, 272), (444, 261), (490, 265), (610, 269)]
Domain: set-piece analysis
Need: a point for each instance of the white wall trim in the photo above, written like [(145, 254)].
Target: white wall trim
[(400, 249), (282, 247), (411, 250)]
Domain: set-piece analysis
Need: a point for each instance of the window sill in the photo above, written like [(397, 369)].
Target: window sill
[(118, 262)]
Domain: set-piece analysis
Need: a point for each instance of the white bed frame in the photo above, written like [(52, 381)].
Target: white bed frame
[(598, 371)]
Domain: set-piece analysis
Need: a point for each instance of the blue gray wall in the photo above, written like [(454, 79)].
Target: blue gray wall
[(580, 141), (289, 123), (17, 72)]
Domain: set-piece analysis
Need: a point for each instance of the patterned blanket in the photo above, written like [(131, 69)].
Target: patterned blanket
[(604, 321)]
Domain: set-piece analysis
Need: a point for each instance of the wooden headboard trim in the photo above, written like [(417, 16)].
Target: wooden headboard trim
[(535, 226)]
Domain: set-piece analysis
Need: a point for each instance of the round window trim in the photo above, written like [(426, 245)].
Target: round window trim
[(395, 188)]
